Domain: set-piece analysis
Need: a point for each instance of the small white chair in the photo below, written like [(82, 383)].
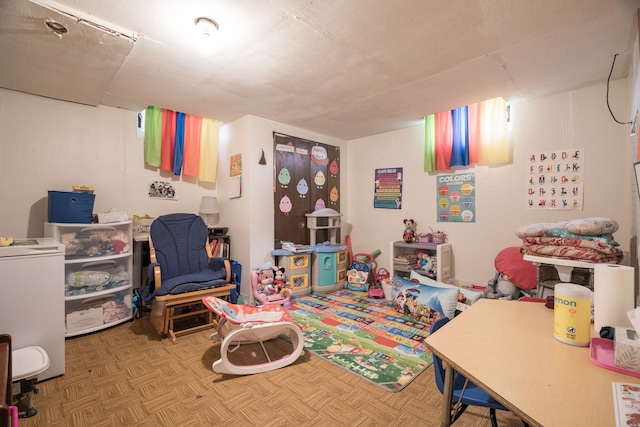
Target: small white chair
[(27, 363)]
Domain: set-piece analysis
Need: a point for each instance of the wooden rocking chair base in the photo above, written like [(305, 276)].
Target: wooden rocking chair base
[(167, 310)]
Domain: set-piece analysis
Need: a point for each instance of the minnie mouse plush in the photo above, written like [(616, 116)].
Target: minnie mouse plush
[(409, 235)]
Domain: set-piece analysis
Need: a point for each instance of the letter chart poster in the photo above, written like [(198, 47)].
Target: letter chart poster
[(456, 197), (388, 189), (554, 180)]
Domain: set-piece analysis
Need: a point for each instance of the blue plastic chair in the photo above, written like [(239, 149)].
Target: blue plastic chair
[(465, 392)]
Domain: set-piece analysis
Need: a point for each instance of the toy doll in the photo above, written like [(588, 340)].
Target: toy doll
[(409, 235)]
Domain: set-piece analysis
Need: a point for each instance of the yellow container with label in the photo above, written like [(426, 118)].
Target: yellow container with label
[(572, 314)]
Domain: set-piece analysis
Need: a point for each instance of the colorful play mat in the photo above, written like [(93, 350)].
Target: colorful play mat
[(365, 336)]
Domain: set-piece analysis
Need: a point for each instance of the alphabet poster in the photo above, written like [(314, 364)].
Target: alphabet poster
[(456, 197), (554, 180)]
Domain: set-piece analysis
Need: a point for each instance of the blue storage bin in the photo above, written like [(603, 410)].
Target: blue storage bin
[(236, 278), (69, 207)]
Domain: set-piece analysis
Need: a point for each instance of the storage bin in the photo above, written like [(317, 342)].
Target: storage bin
[(91, 241), (85, 319), (86, 277), (69, 207), (100, 309)]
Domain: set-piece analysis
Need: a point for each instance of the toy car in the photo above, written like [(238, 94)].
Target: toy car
[(375, 290)]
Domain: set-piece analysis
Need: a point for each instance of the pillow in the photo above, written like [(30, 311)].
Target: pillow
[(470, 296), (423, 302), (510, 263), (592, 226), (536, 230), (606, 238)]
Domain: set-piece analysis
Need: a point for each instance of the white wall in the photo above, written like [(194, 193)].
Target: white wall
[(577, 119), (47, 144), (51, 145)]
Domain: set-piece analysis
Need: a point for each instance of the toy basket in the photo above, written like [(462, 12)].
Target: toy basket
[(439, 237), (425, 238)]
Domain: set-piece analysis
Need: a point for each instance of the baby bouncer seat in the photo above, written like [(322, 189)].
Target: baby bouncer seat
[(243, 324)]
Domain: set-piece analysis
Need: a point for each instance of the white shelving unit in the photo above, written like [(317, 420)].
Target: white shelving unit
[(98, 274), (442, 252)]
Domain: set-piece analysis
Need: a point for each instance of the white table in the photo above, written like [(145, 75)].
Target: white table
[(564, 267)]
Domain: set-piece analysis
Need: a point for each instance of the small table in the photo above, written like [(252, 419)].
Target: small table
[(508, 349), (564, 267)]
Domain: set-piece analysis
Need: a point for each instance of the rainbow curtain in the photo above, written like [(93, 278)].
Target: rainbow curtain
[(474, 134), (181, 143)]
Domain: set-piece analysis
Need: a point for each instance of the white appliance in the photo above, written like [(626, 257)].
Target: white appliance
[(32, 298)]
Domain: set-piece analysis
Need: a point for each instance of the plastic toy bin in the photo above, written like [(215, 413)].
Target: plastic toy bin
[(70, 207)]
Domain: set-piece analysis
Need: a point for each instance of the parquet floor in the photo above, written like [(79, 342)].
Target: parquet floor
[(128, 375)]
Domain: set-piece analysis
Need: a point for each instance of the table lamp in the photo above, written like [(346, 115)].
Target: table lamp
[(209, 211)]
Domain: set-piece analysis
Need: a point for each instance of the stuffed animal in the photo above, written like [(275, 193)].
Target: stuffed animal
[(409, 235), (501, 288), (279, 282), (427, 264), (264, 283), (266, 279)]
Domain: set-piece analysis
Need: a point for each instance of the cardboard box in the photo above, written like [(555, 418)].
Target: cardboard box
[(85, 319), (627, 349), (141, 227)]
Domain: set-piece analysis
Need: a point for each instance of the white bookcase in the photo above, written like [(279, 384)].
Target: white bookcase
[(98, 274), (441, 252)]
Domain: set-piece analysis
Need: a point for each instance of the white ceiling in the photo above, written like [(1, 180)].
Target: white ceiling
[(343, 68)]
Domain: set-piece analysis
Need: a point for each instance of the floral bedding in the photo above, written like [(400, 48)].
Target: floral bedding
[(589, 240)]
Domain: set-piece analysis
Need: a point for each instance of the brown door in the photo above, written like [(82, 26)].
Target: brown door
[(307, 177)]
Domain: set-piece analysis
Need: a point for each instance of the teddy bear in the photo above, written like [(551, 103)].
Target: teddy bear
[(266, 279), (409, 235)]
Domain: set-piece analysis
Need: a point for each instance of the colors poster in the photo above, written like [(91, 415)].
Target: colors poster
[(554, 180), (388, 188), (456, 197)]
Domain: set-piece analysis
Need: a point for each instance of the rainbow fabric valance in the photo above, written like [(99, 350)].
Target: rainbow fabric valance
[(474, 134), (181, 143)]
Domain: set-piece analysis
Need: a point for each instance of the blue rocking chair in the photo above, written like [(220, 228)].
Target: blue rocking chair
[(182, 272)]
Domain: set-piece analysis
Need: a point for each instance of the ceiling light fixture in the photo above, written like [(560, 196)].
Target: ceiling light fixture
[(206, 26)]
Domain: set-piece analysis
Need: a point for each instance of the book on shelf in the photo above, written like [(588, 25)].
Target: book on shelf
[(219, 249), (404, 261)]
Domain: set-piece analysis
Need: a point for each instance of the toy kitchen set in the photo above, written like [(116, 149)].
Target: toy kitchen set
[(317, 267)]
